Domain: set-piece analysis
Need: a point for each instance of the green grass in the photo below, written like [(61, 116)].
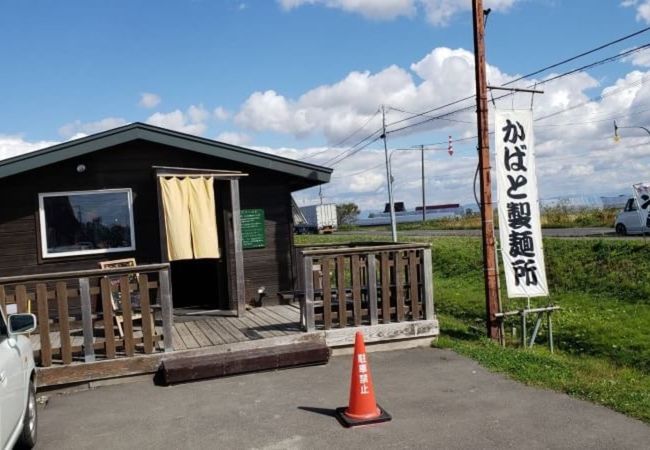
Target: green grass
[(602, 333), (622, 388)]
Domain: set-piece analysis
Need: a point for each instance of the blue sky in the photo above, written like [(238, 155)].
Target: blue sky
[(276, 75)]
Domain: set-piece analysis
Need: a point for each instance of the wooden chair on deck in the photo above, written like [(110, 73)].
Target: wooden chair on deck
[(116, 301)]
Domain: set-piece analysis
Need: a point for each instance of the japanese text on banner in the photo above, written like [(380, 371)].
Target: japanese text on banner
[(519, 222)]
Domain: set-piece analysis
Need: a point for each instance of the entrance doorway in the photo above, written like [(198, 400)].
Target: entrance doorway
[(199, 224)]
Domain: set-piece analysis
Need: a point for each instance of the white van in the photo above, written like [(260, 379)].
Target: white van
[(628, 221)]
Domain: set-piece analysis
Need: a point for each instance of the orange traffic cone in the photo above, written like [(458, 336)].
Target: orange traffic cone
[(362, 408)]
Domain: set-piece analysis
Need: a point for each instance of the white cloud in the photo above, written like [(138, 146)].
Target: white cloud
[(640, 58), (233, 137), (149, 100), (197, 114), (438, 12), (339, 109), (191, 121), (77, 129), (642, 9), (575, 149), (373, 9), (220, 113), (11, 146)]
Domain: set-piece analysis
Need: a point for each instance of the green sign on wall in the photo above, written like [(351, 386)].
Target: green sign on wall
[(252, 228)]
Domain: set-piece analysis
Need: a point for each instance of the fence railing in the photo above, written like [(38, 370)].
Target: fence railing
[(365, 284), (88, 315)]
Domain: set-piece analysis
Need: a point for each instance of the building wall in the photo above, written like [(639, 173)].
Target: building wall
[(130, 166)]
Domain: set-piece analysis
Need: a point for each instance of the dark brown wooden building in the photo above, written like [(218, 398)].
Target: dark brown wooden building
[(76, 204)]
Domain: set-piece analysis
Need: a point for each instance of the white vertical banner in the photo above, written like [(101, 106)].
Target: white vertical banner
[(642, 196), (519, 221)]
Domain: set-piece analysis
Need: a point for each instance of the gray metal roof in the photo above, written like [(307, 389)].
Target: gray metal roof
[(71, 149)]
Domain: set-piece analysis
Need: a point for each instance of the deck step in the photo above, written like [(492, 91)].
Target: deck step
[(178, 369)]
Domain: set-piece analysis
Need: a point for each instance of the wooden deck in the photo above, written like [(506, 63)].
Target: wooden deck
[(199, 331), (266, 327), (256, 323), (104, 323)]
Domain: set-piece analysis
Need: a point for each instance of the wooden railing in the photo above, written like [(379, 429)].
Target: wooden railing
[(365, 284), (94, 314)]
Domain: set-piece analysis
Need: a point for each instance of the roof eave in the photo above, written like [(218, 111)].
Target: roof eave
[(313, 174)]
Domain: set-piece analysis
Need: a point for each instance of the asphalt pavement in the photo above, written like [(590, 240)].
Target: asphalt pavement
[(437, 398)]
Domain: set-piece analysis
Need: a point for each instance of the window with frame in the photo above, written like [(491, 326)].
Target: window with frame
[(86, 222), (631, 205)]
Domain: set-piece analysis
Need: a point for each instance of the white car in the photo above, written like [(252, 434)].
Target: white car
[(628, 221), (17, 382)]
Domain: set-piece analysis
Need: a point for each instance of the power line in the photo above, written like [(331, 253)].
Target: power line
[(455, 102), (381, 164), (589, 122), (355, 149), (419, 114), (365, 142), (573, 58), (342, 141), (596, 98), (536, 72), (587, 66)]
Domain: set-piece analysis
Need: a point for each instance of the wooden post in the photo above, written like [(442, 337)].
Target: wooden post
[(127, 315), (385, 288), (372, 289), (147, 318), (299, 286), (487, 221), (413, 284), (427, 277), (399, 285), (87, 320), (355, 275), (164, 257), (3, 299), (240, 286), (308, 298), (64, 321), (167, 310), (340, 291), (20, 295), (327, 292), (44, 324), (107, 312), (310, 320)]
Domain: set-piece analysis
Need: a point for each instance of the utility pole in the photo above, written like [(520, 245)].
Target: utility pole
[(389, 177), (487, 223), (424, 202)]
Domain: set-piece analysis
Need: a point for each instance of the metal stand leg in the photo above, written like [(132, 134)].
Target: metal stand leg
[(550, 331)]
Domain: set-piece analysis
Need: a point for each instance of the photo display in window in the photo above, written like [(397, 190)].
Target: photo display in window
[(80, 222)]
